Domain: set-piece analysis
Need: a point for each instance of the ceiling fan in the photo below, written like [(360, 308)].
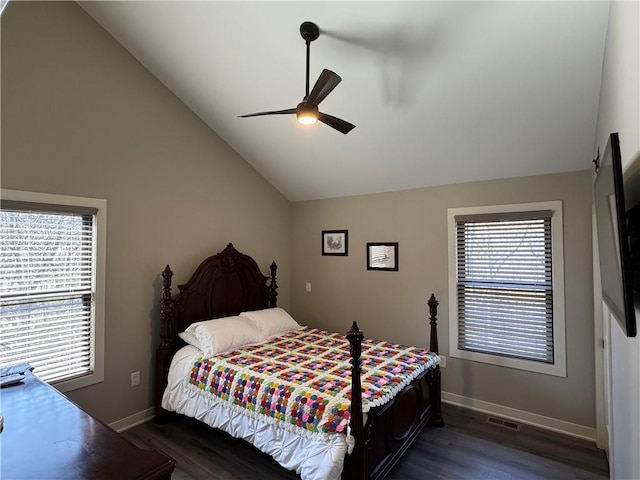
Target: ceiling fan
[(307, 111)]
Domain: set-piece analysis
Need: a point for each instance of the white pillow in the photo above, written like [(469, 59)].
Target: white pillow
[(272, 321), (189, 337), (221, 335)]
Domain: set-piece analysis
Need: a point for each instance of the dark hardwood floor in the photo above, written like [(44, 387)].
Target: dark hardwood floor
[(467, 448)]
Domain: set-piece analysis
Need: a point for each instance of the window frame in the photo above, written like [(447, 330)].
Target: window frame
[(100, 243), (558, 368)]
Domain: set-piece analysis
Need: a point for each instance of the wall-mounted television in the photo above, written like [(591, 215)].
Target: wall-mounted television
[(616, 237)]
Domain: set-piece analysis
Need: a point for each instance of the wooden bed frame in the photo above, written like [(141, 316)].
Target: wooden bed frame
[(231, 282)]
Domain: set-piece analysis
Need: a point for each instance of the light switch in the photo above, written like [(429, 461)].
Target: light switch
[(308, 287)]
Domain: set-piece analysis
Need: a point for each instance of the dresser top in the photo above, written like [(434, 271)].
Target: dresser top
[(46, 435)]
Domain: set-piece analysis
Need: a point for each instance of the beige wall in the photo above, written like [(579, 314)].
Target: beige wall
[(619, 107), (80, 116), (392, 305)]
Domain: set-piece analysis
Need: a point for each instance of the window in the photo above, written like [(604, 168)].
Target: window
[(52, 265), (507, 287)]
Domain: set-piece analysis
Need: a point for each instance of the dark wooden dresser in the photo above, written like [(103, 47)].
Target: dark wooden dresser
[(46, 436)]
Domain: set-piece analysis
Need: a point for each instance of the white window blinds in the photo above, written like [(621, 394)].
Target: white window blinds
[(47, 284), (504, 285)]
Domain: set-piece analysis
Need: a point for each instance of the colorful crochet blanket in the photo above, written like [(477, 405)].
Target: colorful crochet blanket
[(302, 380)]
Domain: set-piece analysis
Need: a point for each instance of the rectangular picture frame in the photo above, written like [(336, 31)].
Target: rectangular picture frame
[(382, 256), (335, 242)]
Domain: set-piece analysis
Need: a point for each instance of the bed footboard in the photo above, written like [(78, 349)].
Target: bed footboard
[(391, 428)]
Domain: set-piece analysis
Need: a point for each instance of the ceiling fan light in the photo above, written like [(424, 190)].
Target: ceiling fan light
[(307, 114), (307, 119)]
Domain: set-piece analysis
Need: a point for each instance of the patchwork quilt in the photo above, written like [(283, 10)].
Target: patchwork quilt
[(302, 380)]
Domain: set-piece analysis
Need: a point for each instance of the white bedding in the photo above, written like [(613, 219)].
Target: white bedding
[(310, 458)]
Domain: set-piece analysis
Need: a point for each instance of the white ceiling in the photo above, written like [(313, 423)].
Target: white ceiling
[(440, 92)]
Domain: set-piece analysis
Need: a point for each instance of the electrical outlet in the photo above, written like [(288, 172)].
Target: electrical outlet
[(308, 287), (443, 361), (135, 379)]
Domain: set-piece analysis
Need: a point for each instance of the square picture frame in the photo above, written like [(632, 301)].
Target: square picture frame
[(382, 256), (335, 242)]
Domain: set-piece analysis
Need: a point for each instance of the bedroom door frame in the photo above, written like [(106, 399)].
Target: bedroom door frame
[(602, 347)]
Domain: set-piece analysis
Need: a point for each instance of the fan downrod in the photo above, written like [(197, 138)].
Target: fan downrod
[(309, 31)]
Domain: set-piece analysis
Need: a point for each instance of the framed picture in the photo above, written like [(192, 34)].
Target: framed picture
[(335, 242), (382, 256)]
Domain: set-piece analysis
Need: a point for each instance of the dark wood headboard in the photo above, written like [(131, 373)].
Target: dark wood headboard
[(224, 284)]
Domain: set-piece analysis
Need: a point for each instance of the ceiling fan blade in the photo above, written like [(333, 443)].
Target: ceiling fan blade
[(325, 84), (274, 112), (341, 125)]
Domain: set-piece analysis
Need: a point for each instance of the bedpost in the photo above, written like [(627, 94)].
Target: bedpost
[(433, 321), (167, 342), (360, 458), (273, 287), (434, 378), (166, 310)]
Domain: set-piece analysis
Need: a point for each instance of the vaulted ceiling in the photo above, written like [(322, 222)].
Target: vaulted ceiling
[(440, 92)]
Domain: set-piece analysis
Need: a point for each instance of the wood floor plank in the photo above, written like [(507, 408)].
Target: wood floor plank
[(467, 448)]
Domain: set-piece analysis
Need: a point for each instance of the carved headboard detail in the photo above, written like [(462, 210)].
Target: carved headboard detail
[(224, 284)]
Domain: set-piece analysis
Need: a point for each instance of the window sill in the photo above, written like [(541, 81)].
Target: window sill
[(558, 369), (64, 386)]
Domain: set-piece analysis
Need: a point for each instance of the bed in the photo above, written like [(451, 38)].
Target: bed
[(377, 433)]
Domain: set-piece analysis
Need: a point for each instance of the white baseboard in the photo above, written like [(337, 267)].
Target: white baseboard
[(133, 420), (540, 421)]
